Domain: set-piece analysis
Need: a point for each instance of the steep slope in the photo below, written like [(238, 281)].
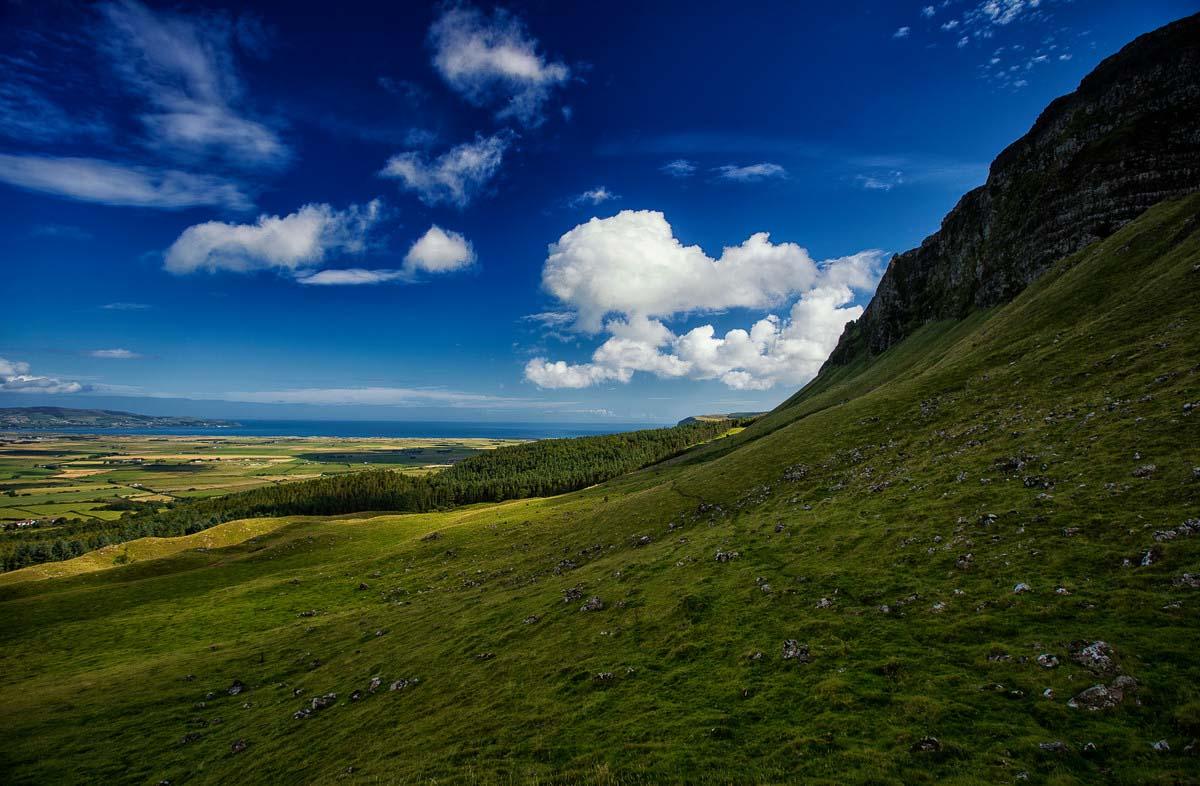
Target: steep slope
[(1127, 138), (1045, 442)]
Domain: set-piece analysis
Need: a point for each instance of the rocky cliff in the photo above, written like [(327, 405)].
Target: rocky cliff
[(1127, 138)]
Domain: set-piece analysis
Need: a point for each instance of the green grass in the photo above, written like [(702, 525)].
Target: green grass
[(1083, 373)]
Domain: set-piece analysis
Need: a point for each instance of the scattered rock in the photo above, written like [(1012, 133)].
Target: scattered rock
[(355, 695), (402, 684), (1022, 587), (572, 594), (1162, 746), (435, 535), (374, 684), (485, 656), (644, 540), (926, 745), (1057, 746), (1048, 694), (236, 688), (824, 603), (309, 613), (189, 738), (604, 676), (1191, 580), (593, 604), (727, 556), (965, 561), (1096, 657), (532, 619), (794, 650), (362, 585), (238, 746), (1097, 697), (1047, 661), (1145, 471)]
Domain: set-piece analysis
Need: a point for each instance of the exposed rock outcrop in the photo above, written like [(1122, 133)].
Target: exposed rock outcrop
[(1126, 139)]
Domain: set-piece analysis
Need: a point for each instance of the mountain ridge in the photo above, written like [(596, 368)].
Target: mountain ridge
[(1127, 138)]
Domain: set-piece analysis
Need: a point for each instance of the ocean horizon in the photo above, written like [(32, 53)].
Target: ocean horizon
[(360, 429)]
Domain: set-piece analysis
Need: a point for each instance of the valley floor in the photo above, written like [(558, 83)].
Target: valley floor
[(917, 571)]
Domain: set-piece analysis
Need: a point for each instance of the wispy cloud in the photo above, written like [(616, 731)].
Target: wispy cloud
[(93, 180), (386, 396), (121, 306), (456, 177), (902, 32), (114, 354), (353, 276), (680, 167), (494, 61), (65, 231), (593, 196), (185, 68), (751, 173)]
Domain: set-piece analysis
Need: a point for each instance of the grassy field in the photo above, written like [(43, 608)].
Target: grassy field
[(923, 528), (78, 476)]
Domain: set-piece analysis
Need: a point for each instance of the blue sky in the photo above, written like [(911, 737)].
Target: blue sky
[(535, 211)]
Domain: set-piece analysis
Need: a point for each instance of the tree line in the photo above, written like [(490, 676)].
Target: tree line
[(534, 469)]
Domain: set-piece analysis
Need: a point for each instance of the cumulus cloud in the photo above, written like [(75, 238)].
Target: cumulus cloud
[(625, 274), (456, 176), (439, 251), (751, 173), (902, 32), (928, 12), (15, 378), (593, 196), (92, 180), (493, 61), (184, 68), (632, 263), (680, 167), (290, 243), (114, 354)]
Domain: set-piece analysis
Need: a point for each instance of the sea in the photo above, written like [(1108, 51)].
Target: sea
[(374, 428)]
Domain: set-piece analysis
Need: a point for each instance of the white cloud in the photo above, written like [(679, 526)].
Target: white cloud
[(593, 196), (902, 32), (680, 167), (494, 61), (555, 374), (751, 173), (928, 12), (951, 25), (631, 266), (184, 67), (352, 276), (632, 263), (121, 306), (114, 354), (881, 181), (15, 378), (291, 243), (92, 180), (454, 177), (439, 251)]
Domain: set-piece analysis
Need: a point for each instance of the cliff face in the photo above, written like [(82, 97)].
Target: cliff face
[(1127, 138)]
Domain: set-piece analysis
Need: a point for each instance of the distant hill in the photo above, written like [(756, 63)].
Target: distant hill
[(725, 416), (65, 417)]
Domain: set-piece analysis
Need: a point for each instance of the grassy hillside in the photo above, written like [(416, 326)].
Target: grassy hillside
[(881, 518)]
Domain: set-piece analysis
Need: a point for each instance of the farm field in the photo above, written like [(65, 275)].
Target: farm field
[(97, 477)]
